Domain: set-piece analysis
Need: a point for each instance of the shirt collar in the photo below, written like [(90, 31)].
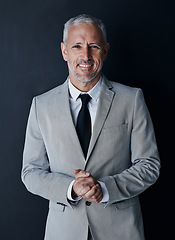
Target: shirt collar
[(94, 92)]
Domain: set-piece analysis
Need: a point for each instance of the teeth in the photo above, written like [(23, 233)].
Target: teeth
[(86, 66)]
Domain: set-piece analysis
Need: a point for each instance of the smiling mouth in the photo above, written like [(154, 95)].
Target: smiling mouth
[(85, 65)]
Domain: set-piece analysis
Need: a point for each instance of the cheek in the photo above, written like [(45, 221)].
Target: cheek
[(99, 58), (99, 62), (71, 61)]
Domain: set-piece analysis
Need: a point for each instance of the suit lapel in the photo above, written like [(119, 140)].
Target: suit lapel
[(66, 117), (105, 101)]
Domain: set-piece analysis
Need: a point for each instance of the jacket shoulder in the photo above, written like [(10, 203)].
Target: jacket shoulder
[(123, 89), (52, 93), (127, 94)]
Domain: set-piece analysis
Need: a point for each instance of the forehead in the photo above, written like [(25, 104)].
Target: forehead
[(85, 32)]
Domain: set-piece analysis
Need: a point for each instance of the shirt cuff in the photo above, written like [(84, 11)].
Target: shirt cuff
[(69, 193), (105, 198)]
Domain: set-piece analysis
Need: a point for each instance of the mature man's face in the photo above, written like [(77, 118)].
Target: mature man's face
[(84, 52)]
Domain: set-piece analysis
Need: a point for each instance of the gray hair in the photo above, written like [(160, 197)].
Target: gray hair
[(83, 18)]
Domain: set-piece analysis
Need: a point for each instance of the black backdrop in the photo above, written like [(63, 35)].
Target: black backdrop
[(142, 37)]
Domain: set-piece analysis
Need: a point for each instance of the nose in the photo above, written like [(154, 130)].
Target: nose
[(86, 53)]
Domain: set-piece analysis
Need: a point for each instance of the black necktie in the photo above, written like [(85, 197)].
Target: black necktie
[(84, 124)]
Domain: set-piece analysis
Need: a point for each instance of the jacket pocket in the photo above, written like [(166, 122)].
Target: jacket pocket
[(113, 130), (57, 206), (117, 127), (126, 203)]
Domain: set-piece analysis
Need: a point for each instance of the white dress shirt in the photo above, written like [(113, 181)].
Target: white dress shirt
[(75, 106), (75, 101)]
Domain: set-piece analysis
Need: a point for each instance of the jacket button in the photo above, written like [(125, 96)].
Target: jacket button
[(88, 203)]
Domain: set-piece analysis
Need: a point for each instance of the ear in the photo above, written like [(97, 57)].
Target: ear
[(64, 51), (105, 52)]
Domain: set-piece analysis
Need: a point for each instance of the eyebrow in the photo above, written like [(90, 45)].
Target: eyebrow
[(97, 43), (77, 43)]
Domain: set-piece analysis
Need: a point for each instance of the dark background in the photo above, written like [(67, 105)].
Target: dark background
[(142, 38)]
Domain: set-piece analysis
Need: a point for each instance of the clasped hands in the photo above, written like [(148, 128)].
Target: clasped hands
[(86, 187)]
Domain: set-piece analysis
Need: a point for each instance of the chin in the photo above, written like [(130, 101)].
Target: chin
[(86, 79)]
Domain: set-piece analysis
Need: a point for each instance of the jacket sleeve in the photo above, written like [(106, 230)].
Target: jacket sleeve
[(35, 171), (145, 167)]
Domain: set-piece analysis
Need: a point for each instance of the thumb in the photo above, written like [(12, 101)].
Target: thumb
[(81, 173), (76, 171)]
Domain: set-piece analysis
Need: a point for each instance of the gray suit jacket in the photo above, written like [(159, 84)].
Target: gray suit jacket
[(122, 153)]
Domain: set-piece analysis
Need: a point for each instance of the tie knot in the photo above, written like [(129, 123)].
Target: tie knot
[(85, 98)]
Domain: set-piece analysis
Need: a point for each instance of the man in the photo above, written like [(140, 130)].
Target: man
[(92, 174)]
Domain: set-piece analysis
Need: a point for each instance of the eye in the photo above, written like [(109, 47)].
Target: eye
[(94, 47), (76, 46)]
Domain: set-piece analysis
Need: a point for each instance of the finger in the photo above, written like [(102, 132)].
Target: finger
[(81, 186), (95, 199), (94, 195), (83, 191), (77, 171), (85, 181), (91, 193), (99, 197), (81, 173), (99, 194)]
